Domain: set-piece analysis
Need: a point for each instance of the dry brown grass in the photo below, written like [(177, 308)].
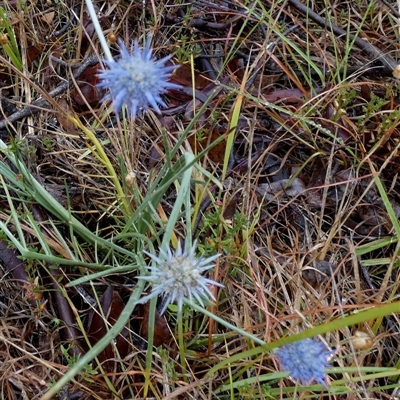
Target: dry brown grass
[(290, 257)]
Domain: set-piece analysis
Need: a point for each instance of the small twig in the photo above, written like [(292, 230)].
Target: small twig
[(388, 62), (203, 23), (207, 67), (36, 105), (64, 29), (391, 8)]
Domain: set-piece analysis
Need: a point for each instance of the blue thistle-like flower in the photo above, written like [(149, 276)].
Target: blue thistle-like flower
[(177, 276), (306, 360), (136, 80)]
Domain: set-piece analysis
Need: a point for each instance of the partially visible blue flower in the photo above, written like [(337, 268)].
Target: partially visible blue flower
[(136, 79), (178, 276), (306, 360)]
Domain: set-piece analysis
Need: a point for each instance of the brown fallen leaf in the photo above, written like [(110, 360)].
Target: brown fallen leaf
[(318, 272), (48, 17), (67, 125), (89, 92), (111, 307), (162, 334)]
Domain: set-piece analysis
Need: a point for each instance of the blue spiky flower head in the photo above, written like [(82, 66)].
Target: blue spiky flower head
[(136, 79), (178, 276), (306, 360)]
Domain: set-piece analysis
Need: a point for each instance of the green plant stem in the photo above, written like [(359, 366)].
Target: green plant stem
[(226, 324), (182, 346)]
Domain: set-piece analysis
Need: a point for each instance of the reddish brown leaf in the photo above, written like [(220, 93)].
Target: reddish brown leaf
[(12, 263), (217, 153), (88, 88), (183, 76), (33, 52), (111, 306), (161, 332), (236, 68), (286, 96)]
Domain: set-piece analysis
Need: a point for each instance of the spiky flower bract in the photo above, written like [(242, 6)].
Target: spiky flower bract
[(178, 276), (306, 360), (136, 80)]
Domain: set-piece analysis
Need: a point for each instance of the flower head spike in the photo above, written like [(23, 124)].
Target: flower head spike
[(136, 80), (177, 276), (306, 360)]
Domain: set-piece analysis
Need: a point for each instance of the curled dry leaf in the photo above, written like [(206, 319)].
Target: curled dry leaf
[(66, 124), (89, 93), (48, 18), (361, 340), (319, 272), (284, 187), (396, 72)]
